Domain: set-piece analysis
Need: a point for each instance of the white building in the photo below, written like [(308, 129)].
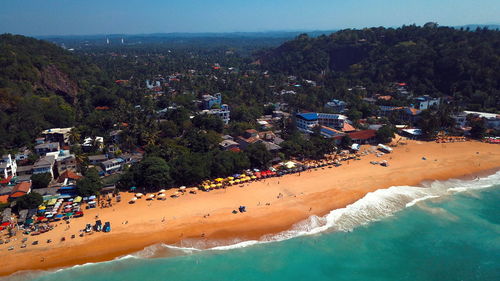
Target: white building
[(492, 119), (8, 166), (223, 113)]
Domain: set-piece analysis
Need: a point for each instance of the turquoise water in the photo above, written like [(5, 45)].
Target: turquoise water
[(455, 236)]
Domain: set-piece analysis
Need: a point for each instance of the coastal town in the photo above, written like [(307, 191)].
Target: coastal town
[(110, 145)]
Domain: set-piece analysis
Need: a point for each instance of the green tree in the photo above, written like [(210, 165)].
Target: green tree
[(258, 155), (153, 173), (90, 184), (40, 180), (478, 128), (29, 201), (385, 134)]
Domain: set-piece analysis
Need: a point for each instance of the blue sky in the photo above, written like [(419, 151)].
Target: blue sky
[(58, 17)]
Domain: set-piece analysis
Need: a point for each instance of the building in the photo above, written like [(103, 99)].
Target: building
[(93, 144), (426, 102), (64, 161), (328, 132), (112, 165), (8, 166), (228, 144), (413, 134), (460, 119), (223, 113), (45, 148), (209, 101), (97, 159), (23, 154), (45, 164), (24, 173), (405, 114), (364, 137), (60, 135), (307, 121), (492, 120), (115, 135), (336, 105), (20, 190)]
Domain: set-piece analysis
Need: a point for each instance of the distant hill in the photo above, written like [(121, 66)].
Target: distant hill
[(437, 60), (39, 84)]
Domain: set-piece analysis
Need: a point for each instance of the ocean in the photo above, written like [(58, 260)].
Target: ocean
[(443, 230)]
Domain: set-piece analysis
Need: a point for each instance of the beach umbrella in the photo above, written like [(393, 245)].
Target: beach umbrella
[(213, 185), (161, 195), (5, 223), (139, 195), (182, 187), (254, 177), (219, 185), (92, 197), (231, 182), (230, 178), (69, 214), (40, 218), (219, 179), (133, 199), (236, 181), (161, 190), (41, 208), (59, 216), (151, 196)]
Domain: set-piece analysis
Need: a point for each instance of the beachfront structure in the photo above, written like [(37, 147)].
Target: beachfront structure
[(328, 132), (20, 189), (404, 114), (364, 137), (492, 120), (97, 159), (8, 166), (336, 105), (112, 165), (426, 102), (60, 135), (208, 101), (307, 121), (460, 119), (223, 113)]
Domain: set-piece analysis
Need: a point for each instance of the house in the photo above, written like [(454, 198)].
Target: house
[(413, 134), (8, 166), (112, 165), (115, 135), (407, 114), (492, 120), (209, 101), (93, 144), (328, 132), (460, 119), (24, 170), (363, 137), (20, 189), (426, 102), (60, 135), (97, 159), (65, 161), (336, 105), (307, 121), (23, 154), (44, 148), (45, 165), (223, 113), (68, 175), (228, 144)]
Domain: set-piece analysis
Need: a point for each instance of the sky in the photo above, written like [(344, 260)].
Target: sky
[(83, 17)]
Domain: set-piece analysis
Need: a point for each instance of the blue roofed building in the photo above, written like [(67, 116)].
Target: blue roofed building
[(307, 121), (208, 101)]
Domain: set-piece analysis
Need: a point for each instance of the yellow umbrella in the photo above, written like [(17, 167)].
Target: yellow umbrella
[(236, 181), (231, 182), (243, 176), (230, 178), (219, 184), (162, 190), (248, 178), (219, 179), (254, 177), (213, 185), (41, 208)]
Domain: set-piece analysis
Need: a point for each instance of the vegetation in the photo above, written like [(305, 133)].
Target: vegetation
[(40, 180), (385, 134), (90, 184), (29, 201)]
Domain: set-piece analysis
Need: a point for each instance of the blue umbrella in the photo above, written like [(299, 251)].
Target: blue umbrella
[(133, 188), (59, 216)]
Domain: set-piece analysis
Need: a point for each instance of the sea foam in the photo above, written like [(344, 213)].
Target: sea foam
[(374, 206)]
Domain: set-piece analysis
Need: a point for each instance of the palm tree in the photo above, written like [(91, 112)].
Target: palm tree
[(74, 136)]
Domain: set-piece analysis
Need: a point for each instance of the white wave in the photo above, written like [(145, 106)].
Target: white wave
[(374, 206)]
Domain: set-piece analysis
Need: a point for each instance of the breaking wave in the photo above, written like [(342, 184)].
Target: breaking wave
[(374, 206)]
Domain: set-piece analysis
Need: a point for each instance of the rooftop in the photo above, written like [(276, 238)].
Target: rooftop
[(310, 116)]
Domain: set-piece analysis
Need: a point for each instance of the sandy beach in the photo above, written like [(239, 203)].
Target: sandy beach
[(273, 205)]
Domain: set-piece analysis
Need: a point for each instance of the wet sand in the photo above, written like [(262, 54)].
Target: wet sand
[(207, 215)]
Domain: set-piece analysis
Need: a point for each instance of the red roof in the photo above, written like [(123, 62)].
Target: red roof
[(24, 187), (362, 135), (5, 181), (68, 175), (235, 149), (17, 194), (102, 108), (4, 198)]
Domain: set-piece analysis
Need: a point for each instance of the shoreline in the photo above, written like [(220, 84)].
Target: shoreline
[(313, 193)]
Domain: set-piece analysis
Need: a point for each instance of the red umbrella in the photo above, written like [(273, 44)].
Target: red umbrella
[(5, 223), (40, 218)]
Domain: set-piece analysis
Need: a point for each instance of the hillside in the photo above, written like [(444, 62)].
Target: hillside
[(432, 60), (39, 85)]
